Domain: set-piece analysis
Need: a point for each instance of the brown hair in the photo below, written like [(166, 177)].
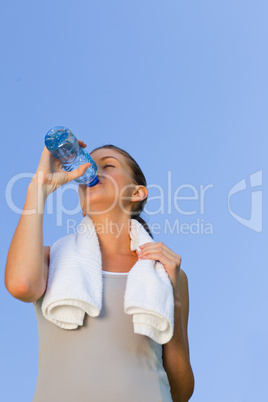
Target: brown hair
[(138, 178)]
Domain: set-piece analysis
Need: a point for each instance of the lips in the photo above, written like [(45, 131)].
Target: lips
[(99, 182), (85, 186)]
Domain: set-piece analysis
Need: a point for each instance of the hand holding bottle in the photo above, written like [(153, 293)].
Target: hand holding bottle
[(64, 145), (50, 175)]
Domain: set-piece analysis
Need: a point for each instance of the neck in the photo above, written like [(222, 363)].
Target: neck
[(113, 235)]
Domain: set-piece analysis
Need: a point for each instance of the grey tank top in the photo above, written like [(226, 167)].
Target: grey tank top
[(101, 361)]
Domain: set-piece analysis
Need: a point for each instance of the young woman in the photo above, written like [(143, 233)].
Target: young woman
[(103, 360)]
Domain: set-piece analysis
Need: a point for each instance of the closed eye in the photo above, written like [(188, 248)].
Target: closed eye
[(108, 165)]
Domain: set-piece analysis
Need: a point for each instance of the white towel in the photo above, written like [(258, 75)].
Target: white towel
[(74, 284), (149, 295)]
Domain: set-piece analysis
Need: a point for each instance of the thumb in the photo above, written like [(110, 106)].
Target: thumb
[(74, 174)]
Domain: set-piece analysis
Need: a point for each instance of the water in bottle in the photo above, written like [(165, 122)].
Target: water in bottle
[(63, 145)]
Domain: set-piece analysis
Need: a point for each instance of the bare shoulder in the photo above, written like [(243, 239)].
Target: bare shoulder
[(184, 294), (183, 277), (183, 282)]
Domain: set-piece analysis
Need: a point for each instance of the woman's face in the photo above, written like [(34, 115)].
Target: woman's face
[(115, 187)]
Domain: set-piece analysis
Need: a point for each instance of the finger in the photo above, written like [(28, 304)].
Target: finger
[(82, 143), (169, 263), (152, 244), (74, 174), (166, 261), (157, 246), (148, 253), (160, 255)]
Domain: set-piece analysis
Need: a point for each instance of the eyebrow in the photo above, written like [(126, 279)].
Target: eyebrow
[(106, 157)]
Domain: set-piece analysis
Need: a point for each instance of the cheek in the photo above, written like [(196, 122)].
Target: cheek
[(126, 192), (115, 182)]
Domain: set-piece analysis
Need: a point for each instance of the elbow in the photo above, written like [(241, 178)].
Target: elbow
[(189, 389), (19, 290), (24, 289), (184, 391)]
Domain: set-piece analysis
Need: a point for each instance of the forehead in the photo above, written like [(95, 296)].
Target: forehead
[(104, 152)]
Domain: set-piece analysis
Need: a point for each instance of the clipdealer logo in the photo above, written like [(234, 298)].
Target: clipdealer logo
[(168, 203), (255, 220)]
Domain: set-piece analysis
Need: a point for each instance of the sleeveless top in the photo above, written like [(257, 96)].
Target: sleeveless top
[(103, 360)]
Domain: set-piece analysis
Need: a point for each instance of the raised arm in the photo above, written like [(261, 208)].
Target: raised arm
[(26, 272), (26, 269)]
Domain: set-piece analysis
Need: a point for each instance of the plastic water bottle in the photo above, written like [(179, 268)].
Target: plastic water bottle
[(63, 145)]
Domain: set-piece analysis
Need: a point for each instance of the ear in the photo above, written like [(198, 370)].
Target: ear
[(139, 193)]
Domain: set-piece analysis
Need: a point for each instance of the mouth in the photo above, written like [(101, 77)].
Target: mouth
[(100, 180), (95, 185), (85, 187)]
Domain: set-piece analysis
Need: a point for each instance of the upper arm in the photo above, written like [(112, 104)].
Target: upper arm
[(42, 289), (184, 298)]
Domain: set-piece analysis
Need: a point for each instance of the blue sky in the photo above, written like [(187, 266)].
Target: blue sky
[(182, 86)]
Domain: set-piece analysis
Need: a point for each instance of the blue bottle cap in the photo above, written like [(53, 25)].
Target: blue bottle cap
[(94, 182)]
